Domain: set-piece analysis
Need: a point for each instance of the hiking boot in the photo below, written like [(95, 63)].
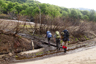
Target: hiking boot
[(49, 44), (59, 48), (64, 50)]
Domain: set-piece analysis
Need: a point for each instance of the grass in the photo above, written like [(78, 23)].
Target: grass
[(79, 38), (20, 37), (39, 53), (48, 51), (76, 39), (27, 26), (16, 56), (86, 37)]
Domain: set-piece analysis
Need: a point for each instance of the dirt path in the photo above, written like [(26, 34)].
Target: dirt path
[(84, 57)]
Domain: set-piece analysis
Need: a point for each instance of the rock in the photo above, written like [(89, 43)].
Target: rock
[(10, 54)]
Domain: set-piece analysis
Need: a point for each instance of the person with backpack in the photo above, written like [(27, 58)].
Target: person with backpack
[(65, 38), (48, 35), (57, 39)]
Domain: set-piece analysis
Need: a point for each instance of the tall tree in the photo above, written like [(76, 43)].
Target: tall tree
[(18, 8), (74, 14), (85, 12), (86, 17), (10, 5), (64, 14), (92, 15)]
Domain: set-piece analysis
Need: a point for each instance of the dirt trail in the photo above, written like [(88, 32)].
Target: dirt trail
[(76, 57), (84, 57)]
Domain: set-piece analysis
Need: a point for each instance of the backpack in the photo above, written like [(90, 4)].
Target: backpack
[(57, 34), (49, 35), (62, 35), (66, 35)]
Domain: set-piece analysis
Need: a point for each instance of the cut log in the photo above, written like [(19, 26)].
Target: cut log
[(32, 51)]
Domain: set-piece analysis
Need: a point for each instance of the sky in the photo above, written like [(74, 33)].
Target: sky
[(90, 4)]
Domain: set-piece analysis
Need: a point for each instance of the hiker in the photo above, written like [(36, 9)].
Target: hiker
[(48, 35), (57, 39), (65, 38)]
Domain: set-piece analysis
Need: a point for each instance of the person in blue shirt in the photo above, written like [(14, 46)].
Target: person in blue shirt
[(48, 35)]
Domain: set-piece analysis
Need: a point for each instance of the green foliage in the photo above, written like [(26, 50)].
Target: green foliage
[(9, 6), (74, 14), (85, 12), (80, 15), (30, 1), (86, 17), (67, 10), (13, 10), (24, 6), (31, 8), (29, 11), (48, 51), (20, 1), (1, 2), (16, 56), (64, 14), (86, 37), (76, 39), (44, 8), (52, 11), (39, 53), (92, 15), (18, 8)]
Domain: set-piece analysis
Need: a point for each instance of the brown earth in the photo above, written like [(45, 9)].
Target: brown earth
[(13, 44), (10, 43), (84, 57)]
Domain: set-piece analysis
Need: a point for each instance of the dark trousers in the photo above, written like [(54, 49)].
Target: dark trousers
[(58, 43), (49, 41)]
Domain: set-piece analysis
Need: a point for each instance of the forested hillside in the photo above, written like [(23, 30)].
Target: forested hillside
[(31, 8), (20, 1)]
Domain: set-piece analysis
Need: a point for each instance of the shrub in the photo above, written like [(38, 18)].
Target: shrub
[(4, 16)]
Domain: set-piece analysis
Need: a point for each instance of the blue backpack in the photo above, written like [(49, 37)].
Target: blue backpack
[(49, 35)]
